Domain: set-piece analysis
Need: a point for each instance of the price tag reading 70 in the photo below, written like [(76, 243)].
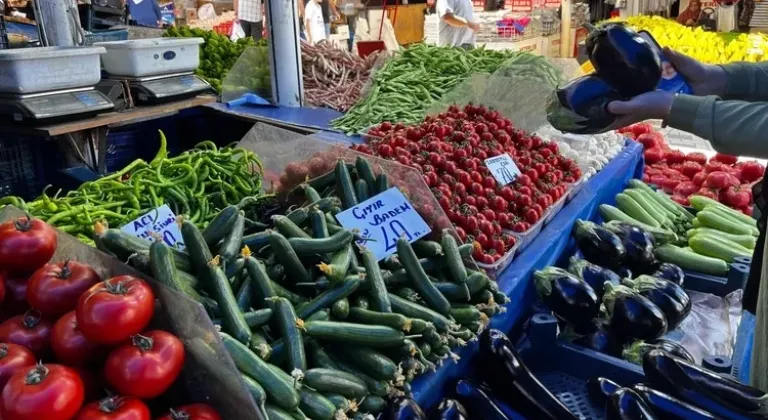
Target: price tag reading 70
[(382, 220), (503, 168)]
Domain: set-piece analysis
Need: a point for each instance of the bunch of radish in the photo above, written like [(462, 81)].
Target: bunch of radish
[(722, 178)]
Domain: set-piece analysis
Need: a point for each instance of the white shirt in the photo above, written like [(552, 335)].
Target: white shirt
[(249, 10), (451, 35), (313, 15)]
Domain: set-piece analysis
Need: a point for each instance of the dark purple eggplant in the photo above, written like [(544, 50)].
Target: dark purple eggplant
[(633, 315), (624, 59), (668, 407), (625, 404), (580, 106), (513, 383), (634, 353), (632, 233), (479, 401), (602, 340), (670, 272), (645, 283), (449, 409), (600, 389), (593, 274), (404, 408), (599, 245), (624, 272), (673, 310), (570, 298), (640, 258), (720, 395)]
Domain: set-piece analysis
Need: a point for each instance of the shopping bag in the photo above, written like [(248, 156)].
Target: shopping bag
[(237, 32)]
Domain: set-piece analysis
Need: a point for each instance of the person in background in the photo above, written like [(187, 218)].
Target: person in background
[(248, 13), (313, 22), (330, 13), (691, 15), (351, 9), (457, 27), (729, 107)]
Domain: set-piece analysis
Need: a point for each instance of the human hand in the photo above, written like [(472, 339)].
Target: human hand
[(689, 22), (647, 106), (473, 26), (704, 79)]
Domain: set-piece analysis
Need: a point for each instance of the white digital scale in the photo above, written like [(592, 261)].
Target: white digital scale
[(159, 88), (53, 106)]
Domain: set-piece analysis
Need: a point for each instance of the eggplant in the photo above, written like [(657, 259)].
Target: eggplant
[(581, 106), (670, 272), (593, 274), (481, 404), (603, 341), (633, 315), (634, 352), (449, 409), (673, 310), (600, 389), (599, 245), (625, 404), (645, 283), (633, 233), (514, 383), (624, 272), (668, 407), (720, 395), (570, 298), (404, 408), (640, 258), (624, 59)]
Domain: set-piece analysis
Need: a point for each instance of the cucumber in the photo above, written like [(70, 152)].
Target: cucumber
[(747, 241), (261, 286), (275, 413), (340, 309), (724, 241), (669, 214), (361, 190), (465, 314), (373, 386), (230, 246), (377, 290), (255, 318), (232, 319), (197, 248), (310, 193), (371, 362), (361, 302), (335, 381), (298, 216), (321, 315), (414, 310), (278, 389), (313, 246), (711, 247), (287, 324), (188, 280), (315, 406), (640, 199), (328, 298), (222, 224), (455, 293), (285, 254), (711, 219), (377, 336), (318, 357), (256, 240), (340, 262), (164, 270), (365, 172), (382, 183), (244, 295), (344, 187), (276, 272), (372, 404), (427, 249), (690, 261), (408, 293), (294, 298), (123, 245), (341, 402), (287, 228), (368, 317), (629, 206), (465, 250), (730, 216), (421, 282), (453, 261), (319, 226), (255, 389), (661, 199)]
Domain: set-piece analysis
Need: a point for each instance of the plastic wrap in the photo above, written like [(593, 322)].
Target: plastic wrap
[(209, 375), (250, 74)]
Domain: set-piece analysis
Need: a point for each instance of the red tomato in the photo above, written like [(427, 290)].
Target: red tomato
[(669, 185), (640, 128), (653, 155), (13, 357), (193, 412), (690, 169), (736, 197), (50, 392), (685, 188), (28, 330), (697, 157), (113, 310), (751, 171), (648, 140), (726, 159), (55, 288), (709, 193), (70, 345), (699, 178), (657, 180), (26, 245), (681, 200), (674, 156), (115, 408), (147, 366), (718, 180)]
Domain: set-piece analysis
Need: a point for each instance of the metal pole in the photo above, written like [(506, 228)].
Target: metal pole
[(285, 62)]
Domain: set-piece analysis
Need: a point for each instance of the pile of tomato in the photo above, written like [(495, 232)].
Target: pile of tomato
[(722, 178), (70, 334)]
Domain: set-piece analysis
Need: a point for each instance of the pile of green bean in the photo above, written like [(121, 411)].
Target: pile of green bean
[(408, 84), (197, 183)]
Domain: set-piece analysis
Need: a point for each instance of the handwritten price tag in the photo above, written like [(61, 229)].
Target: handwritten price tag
[(161, 221), (503, 168), (382, 220)]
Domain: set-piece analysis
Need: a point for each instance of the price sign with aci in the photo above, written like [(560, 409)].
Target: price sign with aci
[(382, 220), (161, 221), (503, 168)]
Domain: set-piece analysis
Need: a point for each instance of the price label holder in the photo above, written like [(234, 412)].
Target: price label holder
[(503, 168), (382, 219), (161, 221)]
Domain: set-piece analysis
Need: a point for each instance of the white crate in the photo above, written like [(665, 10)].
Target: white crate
[(30, 70), (153, 56)]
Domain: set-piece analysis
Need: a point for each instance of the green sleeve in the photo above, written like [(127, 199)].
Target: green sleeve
[(733, 127), (746, 81)]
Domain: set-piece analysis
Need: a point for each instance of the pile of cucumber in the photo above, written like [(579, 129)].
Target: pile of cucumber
[(316, 325)]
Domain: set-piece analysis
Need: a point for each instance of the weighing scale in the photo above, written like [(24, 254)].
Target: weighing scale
[(53, 106), (160, 88)]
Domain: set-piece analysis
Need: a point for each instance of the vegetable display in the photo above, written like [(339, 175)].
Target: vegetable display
[(195, 183), (84, 326), (334, 78), (412, 81), (591, 152), (580, 106)]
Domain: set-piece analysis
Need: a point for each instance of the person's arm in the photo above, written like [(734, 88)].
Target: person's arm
[(334, 11), (301, 9), (445, 13), (746, 81), (308, 28), (235, 4)]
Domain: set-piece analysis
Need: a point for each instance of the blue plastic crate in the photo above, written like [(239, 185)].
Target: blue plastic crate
[(720, 286), (20, 167), (106, 36)]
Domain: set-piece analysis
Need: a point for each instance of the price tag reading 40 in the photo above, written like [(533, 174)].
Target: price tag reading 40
[(382, 220), (161, 221), (503, 168)]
